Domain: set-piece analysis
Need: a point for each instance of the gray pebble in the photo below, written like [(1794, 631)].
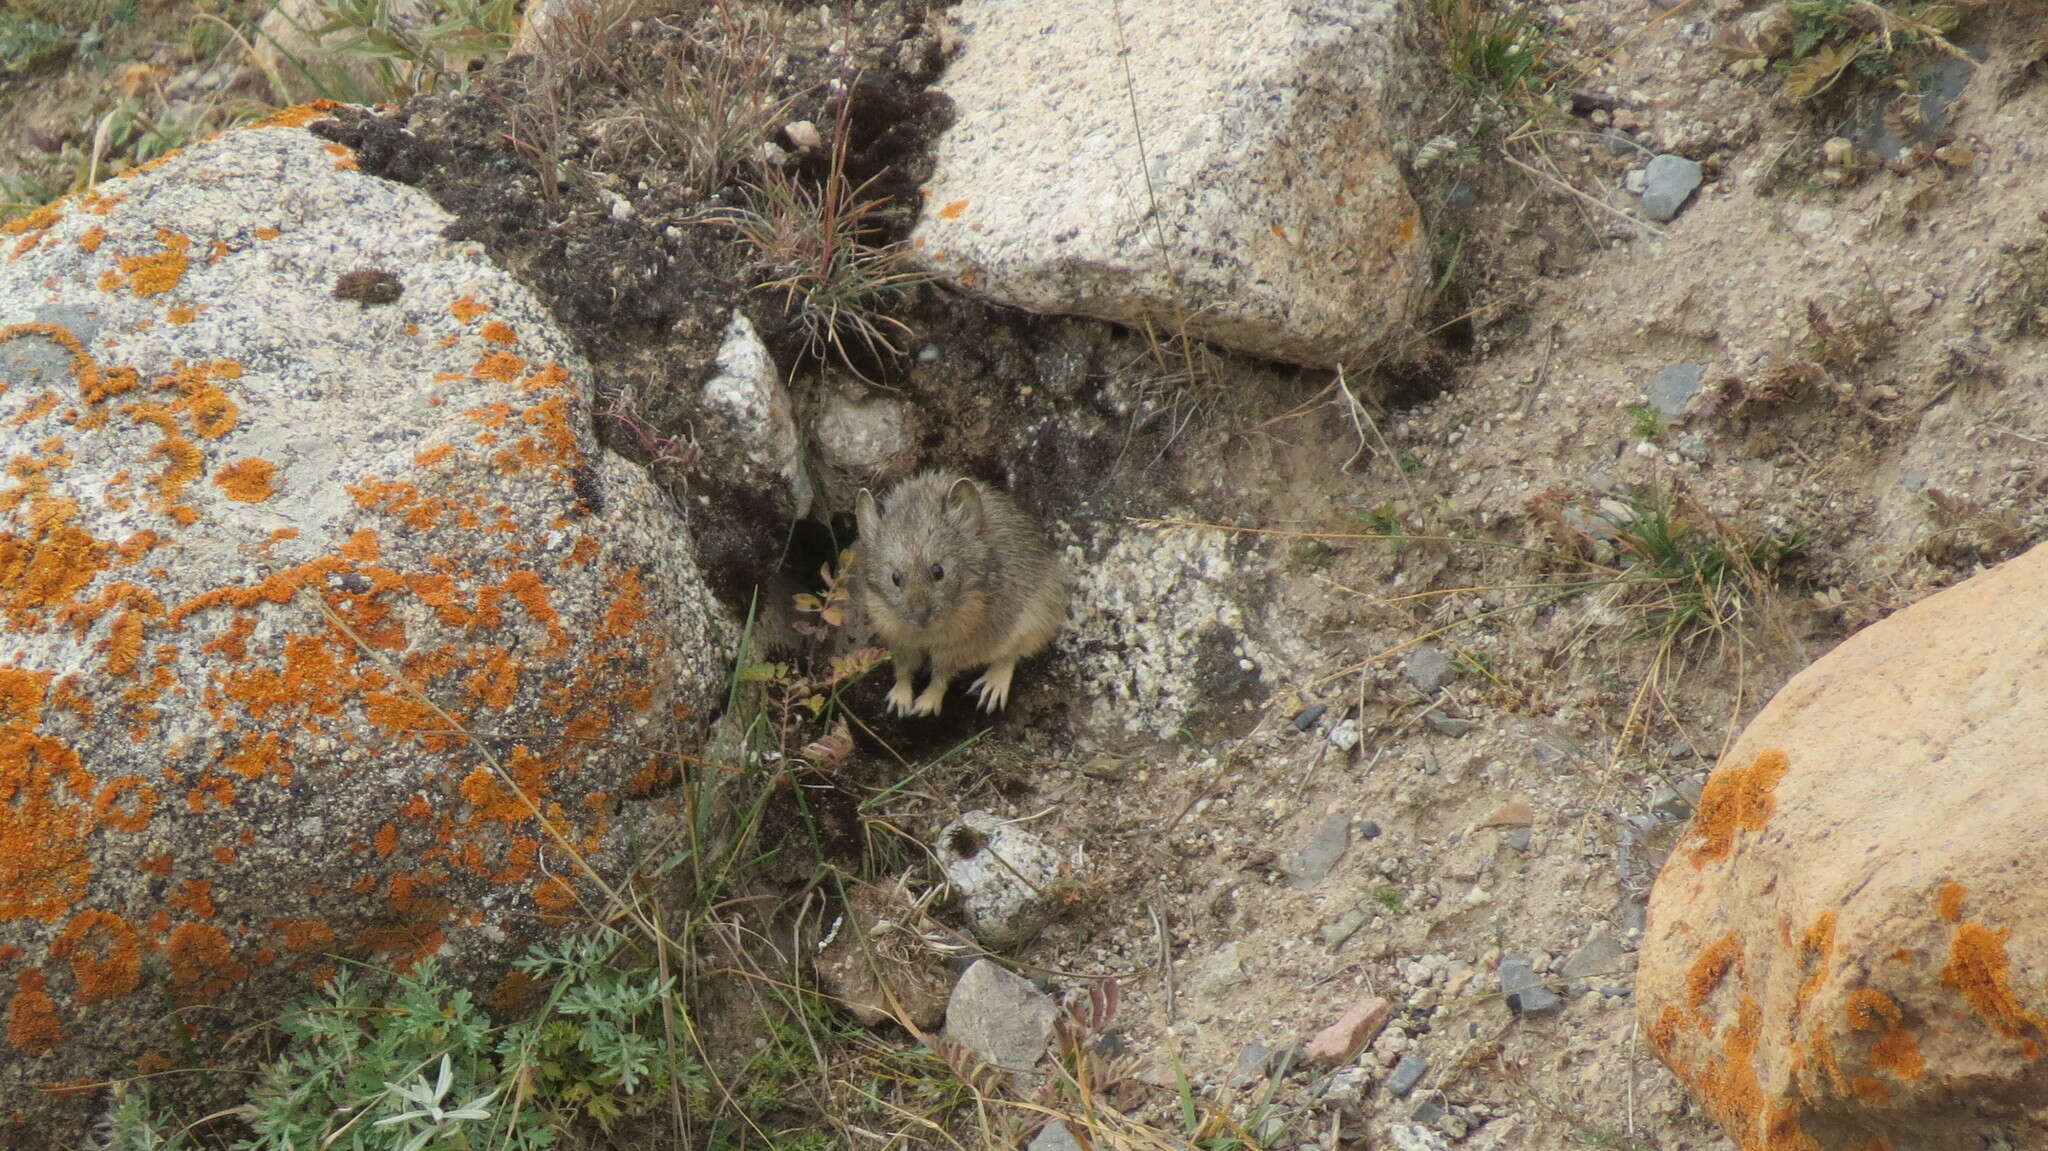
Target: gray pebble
[(1307, 867), (1428, 669), (1524, 992), (1427, 1111), (1445, 724), (1406, 1074), (1602, 955), (1369, 830), (1673, 387), (1670, 806), (1252, 1063), (1309, 715), (1334, 934), (1516, 838), (1054, 1136), (1668, 183)]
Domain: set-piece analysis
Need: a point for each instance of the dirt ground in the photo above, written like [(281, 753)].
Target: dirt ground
[(1870, 357)]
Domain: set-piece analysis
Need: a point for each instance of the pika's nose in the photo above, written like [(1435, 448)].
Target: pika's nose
[(922, 616)]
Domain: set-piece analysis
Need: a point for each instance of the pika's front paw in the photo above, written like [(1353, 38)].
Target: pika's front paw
[(993, 688), (902, 701), (928, 702)]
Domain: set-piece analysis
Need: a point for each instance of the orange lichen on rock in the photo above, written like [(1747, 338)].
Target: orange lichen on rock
[(468, 308), (203, 964), (196, 898), (250, 481), (126, 804), (499, 332), (1948, 902), (298, 115), (154, 275), (45, 817), (33, 1026), (554, 895), (1734, 799), (1813, 953), (89, 240), (503, 367), (303, 934), (105, 956), (1710, 967), (1976, 969)]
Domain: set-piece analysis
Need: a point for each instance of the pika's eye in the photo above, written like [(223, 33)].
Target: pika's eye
[(896, 578), (938, 573)]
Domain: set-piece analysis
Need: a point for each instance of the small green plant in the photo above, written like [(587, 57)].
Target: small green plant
[(392, 49), (26, 44), (1388, 520), (424, 1066), (708, 109), (1493, 51), (1314, 554), (2025, 298), (817, 247), (1693, 575), (1389, 898), (1814, 44), (1646, 423)]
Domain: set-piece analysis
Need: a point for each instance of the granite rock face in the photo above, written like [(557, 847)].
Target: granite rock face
[(1223, 170)]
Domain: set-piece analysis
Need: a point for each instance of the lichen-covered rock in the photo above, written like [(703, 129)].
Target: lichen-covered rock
[(1274, 218), (330, 633), (1848, 949)]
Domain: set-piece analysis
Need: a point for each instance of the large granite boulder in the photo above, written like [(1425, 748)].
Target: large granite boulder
[(1849, 948), (330, 633), (1274, 217)]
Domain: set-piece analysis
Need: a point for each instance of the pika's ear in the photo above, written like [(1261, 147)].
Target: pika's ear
[(963, 501), (865, 518)]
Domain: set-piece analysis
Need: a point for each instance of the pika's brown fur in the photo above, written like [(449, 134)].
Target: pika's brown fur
[(952, 572)]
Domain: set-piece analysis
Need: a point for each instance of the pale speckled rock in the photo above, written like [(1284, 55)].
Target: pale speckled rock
[(260, 549), (1164, 624), (1004, 875), (749, 429), (1000, 1016), (1286, 228), (862, 434), (1853, 935)]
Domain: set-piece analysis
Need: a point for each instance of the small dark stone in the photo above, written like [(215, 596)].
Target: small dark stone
[(1406, 1075), (1368, 830), (1445, 724), (1516, 838), (1309, 715), (1524, 992), (368, 286), (1428, 1111)]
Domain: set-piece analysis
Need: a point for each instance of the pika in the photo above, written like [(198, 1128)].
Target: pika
[(953, 572)]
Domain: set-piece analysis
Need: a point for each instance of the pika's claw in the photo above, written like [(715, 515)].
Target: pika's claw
[(901, 699), (928, 703), (993, 687)]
